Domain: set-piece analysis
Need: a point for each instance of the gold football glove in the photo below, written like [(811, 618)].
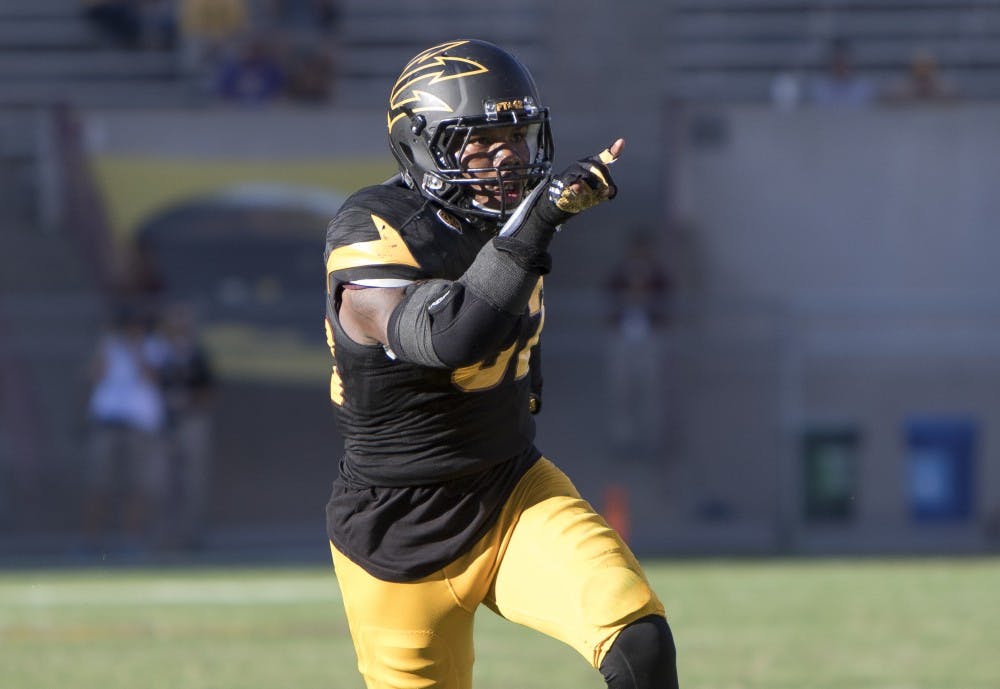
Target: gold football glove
[(585, 183)]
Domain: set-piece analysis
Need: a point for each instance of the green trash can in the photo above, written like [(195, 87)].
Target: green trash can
[(830, 473)]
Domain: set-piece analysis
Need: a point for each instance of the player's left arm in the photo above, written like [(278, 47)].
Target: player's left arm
[(460, 323)]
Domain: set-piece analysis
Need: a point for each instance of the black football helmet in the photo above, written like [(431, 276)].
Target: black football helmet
[(444, 97)]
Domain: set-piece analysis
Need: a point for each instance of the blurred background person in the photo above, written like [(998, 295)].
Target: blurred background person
[(188, 384), (841, 84), (126, 471), (209, 27), (310, 75), (159, 24), (638, 288), (923, 82), (307, 31), (119, 21), (253, 75)]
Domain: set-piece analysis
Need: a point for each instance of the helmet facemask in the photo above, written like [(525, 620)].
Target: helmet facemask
[(502, 172)]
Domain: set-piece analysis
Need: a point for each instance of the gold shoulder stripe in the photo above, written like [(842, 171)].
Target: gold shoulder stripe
[(388, 249)]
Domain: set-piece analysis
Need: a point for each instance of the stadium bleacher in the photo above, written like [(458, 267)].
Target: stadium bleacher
[(50, 54), (714, 50), (377, 37), (731, 49)]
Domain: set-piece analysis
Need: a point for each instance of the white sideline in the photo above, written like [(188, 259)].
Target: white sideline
[(167, 592)]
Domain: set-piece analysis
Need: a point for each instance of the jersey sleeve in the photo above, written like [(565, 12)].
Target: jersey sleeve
[(366, 247)]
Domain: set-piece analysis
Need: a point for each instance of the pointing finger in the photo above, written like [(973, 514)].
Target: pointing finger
[(611, 153)]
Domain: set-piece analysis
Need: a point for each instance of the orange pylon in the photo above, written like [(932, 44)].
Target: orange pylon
[(616, 509)]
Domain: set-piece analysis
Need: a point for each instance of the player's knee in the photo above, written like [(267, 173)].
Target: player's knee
[(642, 657)]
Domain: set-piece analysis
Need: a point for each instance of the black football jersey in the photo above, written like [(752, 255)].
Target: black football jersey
[(430, 455)]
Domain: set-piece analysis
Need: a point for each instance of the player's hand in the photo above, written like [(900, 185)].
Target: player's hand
[(587, 182), (583, 185)]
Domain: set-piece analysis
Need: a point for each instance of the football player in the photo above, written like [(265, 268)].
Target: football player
[(435, 308)]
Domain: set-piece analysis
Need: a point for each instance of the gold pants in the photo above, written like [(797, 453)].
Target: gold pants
[(550, 563)]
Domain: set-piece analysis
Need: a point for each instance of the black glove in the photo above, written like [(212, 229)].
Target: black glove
[(584, 184)]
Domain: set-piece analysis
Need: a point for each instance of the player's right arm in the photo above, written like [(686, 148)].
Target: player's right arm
[(365, 312)]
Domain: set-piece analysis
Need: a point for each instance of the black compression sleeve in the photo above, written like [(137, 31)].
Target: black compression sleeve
[(444, 324)]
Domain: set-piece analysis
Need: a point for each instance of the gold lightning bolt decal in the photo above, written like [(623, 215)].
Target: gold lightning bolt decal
[(430, 67)]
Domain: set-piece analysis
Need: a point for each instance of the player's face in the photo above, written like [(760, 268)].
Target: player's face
[(487, 154)]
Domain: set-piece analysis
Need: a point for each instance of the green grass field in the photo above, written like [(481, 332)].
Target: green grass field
[(795, 624)]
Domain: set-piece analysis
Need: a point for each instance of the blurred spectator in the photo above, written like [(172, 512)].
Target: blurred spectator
[(209, 26), (188, 383), (638, 288), (786, 90), (310, 75), (127, 464), (159, 24), (308, 28), (254, 75), (923, 82), (120, 21), (841, 85)]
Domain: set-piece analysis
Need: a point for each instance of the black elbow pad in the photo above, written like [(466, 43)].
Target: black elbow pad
[(441, 324), (453, 324), (466, 328)]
